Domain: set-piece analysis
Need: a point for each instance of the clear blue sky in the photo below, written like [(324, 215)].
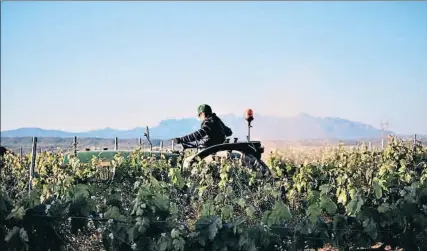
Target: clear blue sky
[(79, 66)]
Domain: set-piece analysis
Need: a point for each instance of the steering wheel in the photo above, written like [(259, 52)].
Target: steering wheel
[(186, 146)]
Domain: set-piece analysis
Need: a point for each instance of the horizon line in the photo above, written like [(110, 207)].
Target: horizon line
[(184, 118)]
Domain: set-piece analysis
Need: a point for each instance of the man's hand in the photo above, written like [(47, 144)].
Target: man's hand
[(177, 140)]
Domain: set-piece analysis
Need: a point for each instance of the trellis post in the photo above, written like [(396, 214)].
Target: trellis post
[(33, 163), (21, 153), (75, 146)]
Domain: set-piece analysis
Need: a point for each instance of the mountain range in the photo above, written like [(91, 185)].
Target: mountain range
[(300, 127)]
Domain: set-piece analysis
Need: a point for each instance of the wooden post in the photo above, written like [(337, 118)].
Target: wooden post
[(414, 144), (173, 146), (116, 143), (20, 154), (33, 163), (140, 141), (75, 146)]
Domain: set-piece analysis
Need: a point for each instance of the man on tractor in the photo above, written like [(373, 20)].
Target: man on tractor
[(212, 132)]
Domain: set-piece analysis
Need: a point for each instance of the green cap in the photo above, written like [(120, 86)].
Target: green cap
[(204, 108)]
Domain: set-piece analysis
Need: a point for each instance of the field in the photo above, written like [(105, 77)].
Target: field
[(349, 198), (52, 144)]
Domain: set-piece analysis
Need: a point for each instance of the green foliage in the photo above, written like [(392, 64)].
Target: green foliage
[(347, 198)]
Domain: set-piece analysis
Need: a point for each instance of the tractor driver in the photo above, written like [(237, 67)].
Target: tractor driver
[(212, 132)]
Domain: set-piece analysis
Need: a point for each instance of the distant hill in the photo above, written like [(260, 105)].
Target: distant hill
[(300, 127)]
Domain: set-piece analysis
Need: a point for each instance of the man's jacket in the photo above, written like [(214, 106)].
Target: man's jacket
[(212, 132)]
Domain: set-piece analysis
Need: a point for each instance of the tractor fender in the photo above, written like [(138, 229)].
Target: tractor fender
[(246, 148)]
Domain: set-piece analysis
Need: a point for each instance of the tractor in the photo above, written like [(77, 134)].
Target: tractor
[(248, 151)]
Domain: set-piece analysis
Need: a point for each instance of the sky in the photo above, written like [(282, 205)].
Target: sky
[(79, 66)]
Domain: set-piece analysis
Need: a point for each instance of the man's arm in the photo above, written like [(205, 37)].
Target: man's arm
[(227, 131), (197, 135)]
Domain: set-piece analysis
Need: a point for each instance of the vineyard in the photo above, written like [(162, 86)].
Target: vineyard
[(349, 199)]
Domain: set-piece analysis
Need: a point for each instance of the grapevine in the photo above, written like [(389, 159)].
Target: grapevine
[(345, 198)]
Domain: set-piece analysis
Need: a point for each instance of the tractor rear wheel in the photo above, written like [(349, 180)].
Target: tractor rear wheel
[(254, 163)]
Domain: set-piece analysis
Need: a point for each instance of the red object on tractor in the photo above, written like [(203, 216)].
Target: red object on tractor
[(249, 115)]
